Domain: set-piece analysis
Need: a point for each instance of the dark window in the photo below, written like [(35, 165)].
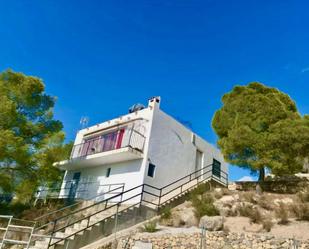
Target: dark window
[(151, 170), (216, 168), (108, 172)]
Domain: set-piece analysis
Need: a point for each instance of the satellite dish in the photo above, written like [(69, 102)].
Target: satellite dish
[(136, 107)]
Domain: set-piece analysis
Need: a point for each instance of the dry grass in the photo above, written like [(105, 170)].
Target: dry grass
[(256, 216), (282, 214), (265, 202), (267, 224), (301, 211), (253, 213), (249, 197), (304, 195)]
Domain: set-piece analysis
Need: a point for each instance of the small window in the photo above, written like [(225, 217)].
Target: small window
[(216, 168), (151, 170), (108, 172)]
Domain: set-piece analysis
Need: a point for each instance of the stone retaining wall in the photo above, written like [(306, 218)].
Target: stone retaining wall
[(212, 240)]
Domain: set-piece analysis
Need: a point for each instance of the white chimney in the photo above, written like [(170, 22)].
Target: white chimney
[(154, 102)]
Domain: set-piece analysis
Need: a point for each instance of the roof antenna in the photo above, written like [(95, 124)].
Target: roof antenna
[(84, 122)]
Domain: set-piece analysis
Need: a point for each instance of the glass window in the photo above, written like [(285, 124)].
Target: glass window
[(216, 168), (108, 172), (151, 170)]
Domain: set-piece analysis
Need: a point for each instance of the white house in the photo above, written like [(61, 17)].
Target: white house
[(145, 146)]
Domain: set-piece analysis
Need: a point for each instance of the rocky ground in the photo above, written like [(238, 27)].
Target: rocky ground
[(244, 220)]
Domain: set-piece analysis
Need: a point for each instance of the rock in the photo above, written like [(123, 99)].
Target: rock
[(184, 217), (142, 245), (212, 223), (227, 199)]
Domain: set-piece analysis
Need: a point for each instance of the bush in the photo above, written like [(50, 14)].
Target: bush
[(304, 195), (150, 227), (165, 213), (204, 206), (249, 197), (265, 203), (253, 213), (244, 210), (200, 190), (301, 211), (256, 216), (267, 225), (282, 214), (14, 208)]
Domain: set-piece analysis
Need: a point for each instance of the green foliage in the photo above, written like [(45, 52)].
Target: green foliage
[(15, 208), (165, 213), (30, 138), (150, 227), (258, 127), (203, 205), (200, 190)]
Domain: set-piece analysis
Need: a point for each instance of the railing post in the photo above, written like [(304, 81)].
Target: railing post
[(52, 233), (88, 221), (160, 197), (129, 143), (142, 194)]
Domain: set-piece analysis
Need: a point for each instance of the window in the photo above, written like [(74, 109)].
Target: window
[(216, 168), (108, 172), (151, 170)]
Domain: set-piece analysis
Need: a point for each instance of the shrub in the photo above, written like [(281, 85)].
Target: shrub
[(150, 227), (249, 197), (304, 195), (301, 211), (200, 190), (244, 210), (204, 206), (166, 213), (282, 214), (256, 216), (265, 203), (253, 213), (267, 225)]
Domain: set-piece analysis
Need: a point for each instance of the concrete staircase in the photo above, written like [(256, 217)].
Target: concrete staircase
[(78, 228), (92, 222)]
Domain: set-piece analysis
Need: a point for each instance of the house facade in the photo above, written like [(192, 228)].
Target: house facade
[(145, 146)]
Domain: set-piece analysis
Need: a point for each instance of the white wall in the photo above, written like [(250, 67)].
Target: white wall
[(128, 173), (172, 151)]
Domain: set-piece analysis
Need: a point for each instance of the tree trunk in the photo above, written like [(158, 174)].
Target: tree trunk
[(261, 174)]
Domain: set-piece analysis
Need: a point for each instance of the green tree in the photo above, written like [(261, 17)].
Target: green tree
[(259, 127), (30, 138)]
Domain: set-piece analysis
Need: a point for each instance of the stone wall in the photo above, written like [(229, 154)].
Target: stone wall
[(213, 240)]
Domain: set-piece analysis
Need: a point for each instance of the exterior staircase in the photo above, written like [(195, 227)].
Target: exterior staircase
[(74, 228)]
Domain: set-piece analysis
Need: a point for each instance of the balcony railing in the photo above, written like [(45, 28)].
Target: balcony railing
[(114, 140)]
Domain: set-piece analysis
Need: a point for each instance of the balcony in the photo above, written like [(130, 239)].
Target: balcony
[(112, 147)]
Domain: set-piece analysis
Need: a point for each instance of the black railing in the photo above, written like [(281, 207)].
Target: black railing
[(139, 194), (42, 222), (121, 138), (82, 190)]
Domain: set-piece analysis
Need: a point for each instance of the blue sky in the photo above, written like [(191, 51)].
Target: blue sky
[(100, 57)]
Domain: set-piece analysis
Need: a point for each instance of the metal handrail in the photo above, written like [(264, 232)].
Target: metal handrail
[(70, 206), (141, 142), (192, 176)]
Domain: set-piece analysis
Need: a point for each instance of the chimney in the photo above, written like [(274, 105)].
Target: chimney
[(154, 102)]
